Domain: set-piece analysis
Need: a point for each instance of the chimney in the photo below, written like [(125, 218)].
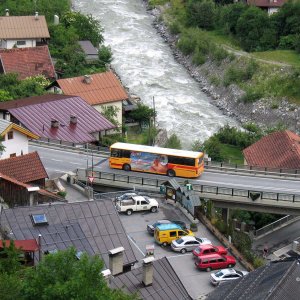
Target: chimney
[(7, 12), (148, 270), (87, 79), (107, 275), (116, 260), (54, 123), (36, 16), (73, 119), (7, 116)]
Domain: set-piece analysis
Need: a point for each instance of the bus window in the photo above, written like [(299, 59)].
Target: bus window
[(126, 153), (115, 153)]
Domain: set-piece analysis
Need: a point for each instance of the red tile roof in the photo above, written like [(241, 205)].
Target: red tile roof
[(23, 27), (266, 3), (28, 62), (36, 113), (26, 245), (24, 168), (104, 88), (280, 149)]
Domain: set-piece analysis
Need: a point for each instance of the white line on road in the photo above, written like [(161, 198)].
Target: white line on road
[(56, 159), (172, 256), (60, 171), (136, 245), (74, 163)]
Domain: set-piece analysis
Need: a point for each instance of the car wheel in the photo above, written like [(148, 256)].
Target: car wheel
[(153, 209), (171, 173), (183, 251), (208, 269), (126, 167), (129, 212), (165, 244), (230, 266)]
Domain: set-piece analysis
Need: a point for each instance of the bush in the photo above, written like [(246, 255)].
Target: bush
[(198, 58), (62, 194), (221, 226), (258, 262), (175, 27), (251, 95)]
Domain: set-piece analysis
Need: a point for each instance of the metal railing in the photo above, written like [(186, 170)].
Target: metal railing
[(132, 180), (254, 170), (270, 227)]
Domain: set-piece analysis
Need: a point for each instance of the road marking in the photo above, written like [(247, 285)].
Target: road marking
[(56, 159), (60, 171), (74, 163), (136, 245)]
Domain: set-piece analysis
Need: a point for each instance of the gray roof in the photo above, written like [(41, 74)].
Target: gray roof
[(276, 281), (88, 48), (166, 284), (3, 125), (72, 224)]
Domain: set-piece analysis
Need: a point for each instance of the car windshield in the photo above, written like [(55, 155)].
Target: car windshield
[(197, 250), (219, 274), (179, 241)]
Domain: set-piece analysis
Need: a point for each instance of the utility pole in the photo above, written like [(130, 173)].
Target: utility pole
[(154, 112)]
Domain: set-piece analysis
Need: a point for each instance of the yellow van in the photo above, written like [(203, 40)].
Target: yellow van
[(164, 234)]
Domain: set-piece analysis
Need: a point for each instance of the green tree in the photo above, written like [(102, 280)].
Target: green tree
[(201, 13), (104, 55), (111, 114), (212, 147), (142, 113), (87, 27), (5, 96), (173, 142), (253, 28)]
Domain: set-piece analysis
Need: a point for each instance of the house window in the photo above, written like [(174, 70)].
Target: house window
[(10, 135), (13, 155), (21, 43)]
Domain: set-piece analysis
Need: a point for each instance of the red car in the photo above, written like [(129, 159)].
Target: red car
[(209, 249), (214, 261)]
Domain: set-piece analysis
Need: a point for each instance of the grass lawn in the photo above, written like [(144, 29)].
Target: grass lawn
[(220, 38), (232, 154), (284, 56)]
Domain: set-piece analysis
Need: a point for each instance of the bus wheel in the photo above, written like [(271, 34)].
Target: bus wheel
[(126, 167), (171, 173)]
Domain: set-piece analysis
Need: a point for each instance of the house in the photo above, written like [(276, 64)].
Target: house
[(26, 168), (23, 31), (271, 6), (14, 139), (100, 90), (27, 62), (59, 117), (279, 150), (153, 280), (277, 280), (16, 193), (90, 226), (91, 52)]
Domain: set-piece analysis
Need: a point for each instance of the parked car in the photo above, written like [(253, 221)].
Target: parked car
[(188, 243), (214, 261), (164, 234), (209, 249), (125, 196), (151, 227), (226, 275), (137, 203)]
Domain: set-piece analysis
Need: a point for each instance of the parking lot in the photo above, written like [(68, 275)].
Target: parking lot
[(195, 281)]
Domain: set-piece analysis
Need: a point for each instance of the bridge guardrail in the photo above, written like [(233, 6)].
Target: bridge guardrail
[(201, 188)]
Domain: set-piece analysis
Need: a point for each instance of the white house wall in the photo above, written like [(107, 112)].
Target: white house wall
[(117, 104), (17, 145), (9, 44)]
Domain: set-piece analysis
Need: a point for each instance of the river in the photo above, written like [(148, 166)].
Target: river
[(147, 67)]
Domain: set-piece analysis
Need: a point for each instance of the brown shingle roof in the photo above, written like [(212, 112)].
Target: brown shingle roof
[(280, 149), (24, 168), (104, 88), (23, 27), (27, 62)]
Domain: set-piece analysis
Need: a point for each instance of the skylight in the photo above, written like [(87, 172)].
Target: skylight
[(39, 219)]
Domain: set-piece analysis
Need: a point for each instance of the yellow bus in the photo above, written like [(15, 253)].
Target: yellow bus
[(171, 162)]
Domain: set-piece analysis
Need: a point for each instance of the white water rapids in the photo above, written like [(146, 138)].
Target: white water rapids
[(146, 66)]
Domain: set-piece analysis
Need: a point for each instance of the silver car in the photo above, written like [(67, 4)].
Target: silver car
[(226, 275), (188, 243)]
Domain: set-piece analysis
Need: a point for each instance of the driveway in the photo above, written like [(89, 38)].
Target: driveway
[(196, 282)]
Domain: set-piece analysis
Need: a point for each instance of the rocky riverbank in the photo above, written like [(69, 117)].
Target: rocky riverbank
[(262, 112)]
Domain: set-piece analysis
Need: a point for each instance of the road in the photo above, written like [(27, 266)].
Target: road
[(58, 162)]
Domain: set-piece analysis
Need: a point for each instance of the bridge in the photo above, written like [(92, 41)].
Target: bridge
[(225, 197)]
